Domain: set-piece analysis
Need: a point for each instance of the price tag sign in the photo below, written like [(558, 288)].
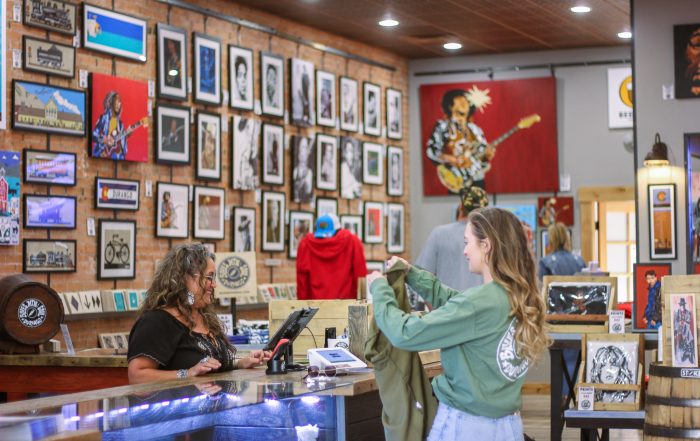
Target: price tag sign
[(586, 395), (616, 324)]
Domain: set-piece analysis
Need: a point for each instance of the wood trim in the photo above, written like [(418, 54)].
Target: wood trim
[(587, 225), (536, 389), (597, 194)]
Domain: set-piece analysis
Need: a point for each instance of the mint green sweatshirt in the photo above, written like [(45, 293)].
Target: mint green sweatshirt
[(482, 374)]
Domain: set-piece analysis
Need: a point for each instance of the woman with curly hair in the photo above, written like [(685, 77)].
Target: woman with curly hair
[(488, 335), (178, 334)]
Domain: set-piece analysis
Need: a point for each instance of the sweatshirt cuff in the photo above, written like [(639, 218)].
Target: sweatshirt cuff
[(378, 287)]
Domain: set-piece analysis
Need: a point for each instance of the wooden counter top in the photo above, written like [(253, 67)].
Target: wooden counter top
[(87, 358)]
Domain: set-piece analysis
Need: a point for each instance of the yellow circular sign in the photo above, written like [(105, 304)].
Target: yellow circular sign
[(626, 91)]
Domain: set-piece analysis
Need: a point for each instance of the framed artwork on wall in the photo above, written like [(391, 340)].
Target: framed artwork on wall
[(326, 162), (272, 84), (692, 170), (209, 203), (302, 90), (52, 15), (208, 146), (272, 226), (394, 114), (116, 254), (3, 65), (49, 167), (348, 104), (326, 206), (395, 228), (325, 96), (273, 154), (352, 223), (394, 171), (172, 62), (207, 69), (241, 77), (300, 223), (245, 142), (116, 194), (114, 33), (551, 210), (49, 109), (49, 256), (371, 105), (374, 222), (662, 221), (42, 211), (646, 315), (350, 168), (372, 167), (686, 39), (302, 169), (172, 210), (48, 57), (9, 217), (243, 229), (172, 135)]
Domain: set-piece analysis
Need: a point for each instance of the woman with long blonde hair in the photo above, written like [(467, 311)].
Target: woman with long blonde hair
[(488, 335)]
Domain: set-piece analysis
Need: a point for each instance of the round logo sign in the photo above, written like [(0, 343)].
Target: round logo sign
[(31, 313), (233, 272)]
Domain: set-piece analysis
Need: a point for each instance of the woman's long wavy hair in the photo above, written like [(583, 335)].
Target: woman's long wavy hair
[(513, 267), (558, 238), (168, 288)]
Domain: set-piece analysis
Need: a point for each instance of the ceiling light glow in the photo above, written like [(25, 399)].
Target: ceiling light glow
[(388, 23), (625, 35), (580, 9), (452, 46)]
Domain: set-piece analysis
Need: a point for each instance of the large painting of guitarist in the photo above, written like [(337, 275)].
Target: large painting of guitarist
[(458, 122), (119, 119)]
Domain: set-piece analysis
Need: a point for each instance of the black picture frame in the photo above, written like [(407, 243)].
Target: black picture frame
[(181, 116), (272, 173), (353, 220), (175, 223), (105, 48), (293, 238), (272, 238), (350, 168), (370, 236), (327, 166), (371, 109), (48, 54), (116, 258), (668, 249), (48, 263), (303, 169), (165, 65), (349, 114), (33, 16), (117, 194), (685, 84), (268, 106), (200, 96), (30, 199), (394, 113), (302, 115), (17, 116), (201, 171), (373, 174), (394, 178), (692, 202), (236, 56), (238, 227), (200, 231), (395, 240), (319, 211), (53, 173)]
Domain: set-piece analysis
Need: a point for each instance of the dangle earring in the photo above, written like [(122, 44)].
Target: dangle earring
[(190, 298)]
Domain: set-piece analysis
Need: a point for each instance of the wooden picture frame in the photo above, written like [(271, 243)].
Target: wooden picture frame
[(207, 69), (48, 57), (372, 163), (171, 43), (394, 171), (50, 211), (394, 114), (116, 254), (349, 113), (641, 294), (208, 146), (63, 18), (172, 135), (243, 229), (300, 223), (272, 225), (373, 222), (26, 93), (241, 74), (172, 210), (326, 162), (271, 84), (272, 154), (114, 33), (372, 109), (325, 99), (566, 315), (326, 206), (302, 92), (117, 194), (208, 212), (49, 167), (662, 221), (49, 256), (396, 228)]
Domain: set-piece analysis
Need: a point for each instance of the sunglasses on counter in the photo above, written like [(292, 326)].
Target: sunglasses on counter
[(315, 371)]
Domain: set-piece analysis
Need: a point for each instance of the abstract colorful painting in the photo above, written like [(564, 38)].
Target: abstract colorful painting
[(114, 33), (9, 198)]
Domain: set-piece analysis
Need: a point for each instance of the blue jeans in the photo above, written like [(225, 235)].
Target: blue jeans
[(454, 425)]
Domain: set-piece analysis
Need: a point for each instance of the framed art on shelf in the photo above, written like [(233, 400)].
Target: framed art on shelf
[(300, 223), (49, 256), (209, 206), (395, 228), (208, 146), (350, 168), (272, 84), (394, 171), (326, 206), (241, 77), (117, 194), (394, 114), (52, 15), (372, 167), (49, 167), (273, 154), (302, 169), (116, 255), (684, 341), (374, 222), (326, 162), (243, 226), (371, 105), (48, 57), (662, 221), (352, 223), (172, 62), (245, 143), (172, 135), (647, 283), (325, 96), (348, 104), (42, 211), (207, 69), (114, 33), (272, 226), (66, 108), (302, 91), (172, 210)]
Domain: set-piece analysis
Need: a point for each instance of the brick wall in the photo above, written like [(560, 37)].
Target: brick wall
[(149, 248)]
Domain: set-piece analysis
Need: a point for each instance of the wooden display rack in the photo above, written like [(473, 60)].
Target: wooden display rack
[(676, 285), (637, 388), (588, 324)]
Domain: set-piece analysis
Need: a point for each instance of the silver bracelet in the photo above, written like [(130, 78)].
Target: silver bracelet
[(182, 373)]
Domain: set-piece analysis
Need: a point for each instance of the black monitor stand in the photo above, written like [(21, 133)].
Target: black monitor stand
[(283, 357)]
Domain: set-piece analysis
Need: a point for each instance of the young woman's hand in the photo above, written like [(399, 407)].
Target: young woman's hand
[(374, 275), (393, 260)]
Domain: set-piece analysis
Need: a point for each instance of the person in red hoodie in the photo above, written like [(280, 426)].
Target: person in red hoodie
[(329, 262)]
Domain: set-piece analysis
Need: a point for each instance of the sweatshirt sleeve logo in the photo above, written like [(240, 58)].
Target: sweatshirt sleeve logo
[(511, 366)]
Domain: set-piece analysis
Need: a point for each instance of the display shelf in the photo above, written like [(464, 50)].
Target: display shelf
[(100, 315)]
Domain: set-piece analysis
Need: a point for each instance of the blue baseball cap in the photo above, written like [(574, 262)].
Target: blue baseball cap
[(325, 226)]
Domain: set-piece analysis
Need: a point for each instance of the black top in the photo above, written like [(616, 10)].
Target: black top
[(161, 337)]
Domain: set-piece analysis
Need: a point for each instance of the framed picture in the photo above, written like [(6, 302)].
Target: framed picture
[(684, 341), (48, 57), (241, 77), (46, 108), (374, 222), (551, 210), (692, 169), (302, 92), (273, 154), (272, 84), (245, 143), (375, 265), (10, 214), (395, 228), (352, 223), (107, 341), (302, 169), (394, 171), (114, 33), (272, 226), (662, 221), (348, 104), (394, 114), (41, 211), (116, 194), (208, 146), (646, 315), (326, 206), (209, 206), (52, 15), (243, 229), (119, 118), (172, 210), (372, 167), (3, 68), (210, 246), (613, 362), (686, 39), (172, 62), (544, 242), (350, 168), (300, 223), (172, 135), (325, 96), (49, 167), (566, 299), (207, 69), (116, 255), (371, 105), (326, 162), (49, 256)]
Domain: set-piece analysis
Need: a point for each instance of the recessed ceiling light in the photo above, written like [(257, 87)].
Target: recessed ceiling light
[(452, 46), (625, 35), (388, 23), (580, 9)]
